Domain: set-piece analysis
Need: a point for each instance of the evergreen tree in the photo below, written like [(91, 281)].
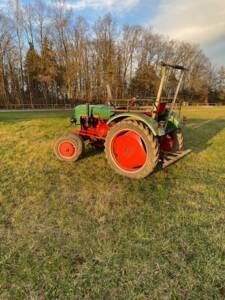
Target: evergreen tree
[(32, 70), (145, 82)]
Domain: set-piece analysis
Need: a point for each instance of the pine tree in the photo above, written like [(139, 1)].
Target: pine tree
[(32, 70), (145, 82)]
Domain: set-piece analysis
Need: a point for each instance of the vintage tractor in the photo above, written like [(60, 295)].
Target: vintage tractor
[(137, 137)]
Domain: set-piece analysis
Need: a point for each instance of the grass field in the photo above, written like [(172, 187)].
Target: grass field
[(79, 231)]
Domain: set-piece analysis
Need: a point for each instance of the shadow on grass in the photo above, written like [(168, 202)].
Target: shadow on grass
[(90, 151), (199, 134), (14, 117)]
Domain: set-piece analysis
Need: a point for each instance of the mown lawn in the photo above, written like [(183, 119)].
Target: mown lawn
[(79, 231)]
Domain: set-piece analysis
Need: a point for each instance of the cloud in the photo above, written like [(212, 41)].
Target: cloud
[(112, 5), (198, 21)]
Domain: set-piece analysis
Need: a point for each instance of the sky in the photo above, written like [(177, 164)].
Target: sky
[(199, 21)]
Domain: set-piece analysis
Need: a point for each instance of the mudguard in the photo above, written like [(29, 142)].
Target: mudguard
[(174, 122), (148, 121)]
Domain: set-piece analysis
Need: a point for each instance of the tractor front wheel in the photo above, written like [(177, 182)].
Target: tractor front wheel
[(131, 149), (69, 148)]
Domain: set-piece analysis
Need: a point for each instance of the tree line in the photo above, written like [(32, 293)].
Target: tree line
[(48, 55)]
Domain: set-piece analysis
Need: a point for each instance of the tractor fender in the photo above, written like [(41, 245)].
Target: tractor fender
[(175, 119), (148, 121), (174, 122)]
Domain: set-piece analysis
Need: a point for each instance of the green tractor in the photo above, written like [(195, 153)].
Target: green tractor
[(138, 136)]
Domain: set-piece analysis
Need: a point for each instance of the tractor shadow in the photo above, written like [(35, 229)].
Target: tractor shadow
[(198, 134), (90, 151)]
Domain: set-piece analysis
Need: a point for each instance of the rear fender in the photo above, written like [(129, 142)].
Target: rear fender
[(174, 122), (148, 121)]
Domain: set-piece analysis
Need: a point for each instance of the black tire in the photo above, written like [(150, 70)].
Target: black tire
[(151, 146), (178, 140), (73, 140)]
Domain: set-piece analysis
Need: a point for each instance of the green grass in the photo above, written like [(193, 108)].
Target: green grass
[(79, 231)]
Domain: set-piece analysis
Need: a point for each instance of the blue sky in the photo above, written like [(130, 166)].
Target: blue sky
[(199, 21)]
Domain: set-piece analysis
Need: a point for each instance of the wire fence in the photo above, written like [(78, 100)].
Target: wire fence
[(203, 104)]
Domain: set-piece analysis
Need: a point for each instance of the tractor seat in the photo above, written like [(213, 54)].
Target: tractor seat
[(161, 108)]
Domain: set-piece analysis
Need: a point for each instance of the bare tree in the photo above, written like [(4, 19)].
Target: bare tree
[(70, 60)]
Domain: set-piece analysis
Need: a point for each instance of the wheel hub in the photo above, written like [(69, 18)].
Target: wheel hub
[(67, 149), (128, 150)]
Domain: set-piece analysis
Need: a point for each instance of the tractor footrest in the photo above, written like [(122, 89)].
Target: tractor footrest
[(169, 158)]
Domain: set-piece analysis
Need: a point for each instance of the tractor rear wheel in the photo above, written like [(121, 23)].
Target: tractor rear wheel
[(131, 149), (69, 148), (178, 140)]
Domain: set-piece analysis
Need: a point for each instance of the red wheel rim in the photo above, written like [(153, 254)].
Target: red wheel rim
[(67, 149), (128, 150)]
